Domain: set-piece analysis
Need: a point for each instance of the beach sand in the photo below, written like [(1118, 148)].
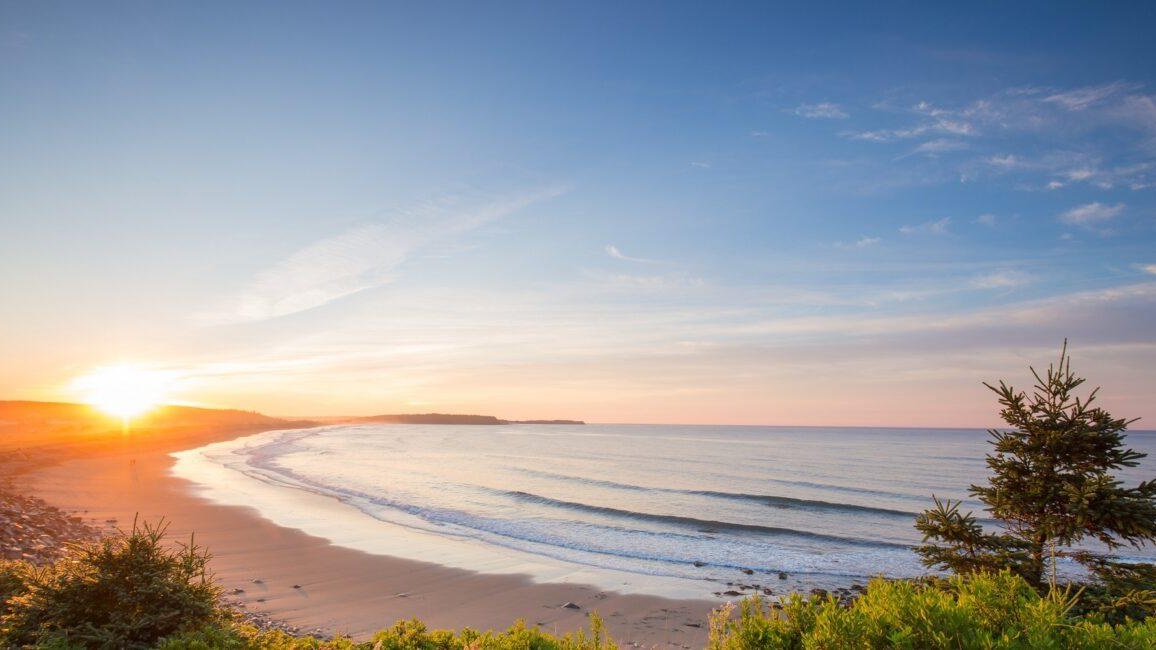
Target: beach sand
[(313, 585)]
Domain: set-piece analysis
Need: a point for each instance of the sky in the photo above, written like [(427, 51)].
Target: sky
[(802, 214)]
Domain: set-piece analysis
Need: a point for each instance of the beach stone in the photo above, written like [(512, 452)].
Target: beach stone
[(749, 571), (819, 593), (698, 564), (570, 605), (782, 575), (296, 586), (731, 592)]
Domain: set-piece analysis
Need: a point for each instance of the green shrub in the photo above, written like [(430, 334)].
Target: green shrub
[(979, 611), (413, 635), (13, 581), (404, 635), (125, 591)]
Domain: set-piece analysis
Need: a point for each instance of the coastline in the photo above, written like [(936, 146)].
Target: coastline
[(258, 563)]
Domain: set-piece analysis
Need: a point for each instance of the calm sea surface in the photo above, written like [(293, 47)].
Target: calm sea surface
[(673, 510)]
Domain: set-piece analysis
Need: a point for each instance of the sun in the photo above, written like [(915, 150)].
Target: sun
[(123, 390)]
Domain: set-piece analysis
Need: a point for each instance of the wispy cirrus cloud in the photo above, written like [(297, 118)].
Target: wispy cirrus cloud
[(1147, 268), (1081, 99), (617, 254), (1091, 214), (675, 281), (999, 280), (363, 257), (862, 242), (1054, 136), (822, 110), (937, 227), (940, 145)]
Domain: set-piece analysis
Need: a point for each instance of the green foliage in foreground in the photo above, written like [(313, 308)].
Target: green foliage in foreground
[(1052, 484), (980, 611), (125, 591), (132, 592), (404, 635)]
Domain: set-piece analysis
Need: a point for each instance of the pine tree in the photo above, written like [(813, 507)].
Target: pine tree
[(1051, 487)]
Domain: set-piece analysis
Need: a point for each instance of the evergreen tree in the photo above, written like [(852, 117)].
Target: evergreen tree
[(1051, 486)]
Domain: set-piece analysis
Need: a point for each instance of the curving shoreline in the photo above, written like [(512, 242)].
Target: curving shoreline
[(339, 590)]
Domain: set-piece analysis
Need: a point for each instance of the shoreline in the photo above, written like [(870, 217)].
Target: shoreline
[(308, 583)]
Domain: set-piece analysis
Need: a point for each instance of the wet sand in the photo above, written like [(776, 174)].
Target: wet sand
[(313, 585)]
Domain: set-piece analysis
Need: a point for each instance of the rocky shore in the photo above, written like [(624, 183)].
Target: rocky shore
[(34, 531)]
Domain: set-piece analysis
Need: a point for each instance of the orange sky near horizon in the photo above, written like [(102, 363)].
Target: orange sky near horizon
[(655, 393)]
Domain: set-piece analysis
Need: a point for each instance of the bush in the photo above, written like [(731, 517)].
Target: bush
[(413, 635), (404, 635), (126, 591), (979, 611), (12, 581)]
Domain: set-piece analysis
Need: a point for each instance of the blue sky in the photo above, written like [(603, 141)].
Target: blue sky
[(658, 212)]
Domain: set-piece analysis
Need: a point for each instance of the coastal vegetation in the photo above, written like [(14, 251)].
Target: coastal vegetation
[(121, 591), (133, 591), (985, 610), (1051, 486)]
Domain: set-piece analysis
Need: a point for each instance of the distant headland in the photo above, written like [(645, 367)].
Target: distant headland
[(453, 418)]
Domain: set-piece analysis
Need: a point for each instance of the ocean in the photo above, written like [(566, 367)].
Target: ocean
[(674, 510)]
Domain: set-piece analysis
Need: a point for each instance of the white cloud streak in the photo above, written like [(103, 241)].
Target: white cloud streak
[(862, 242), (1081, 99), (362, 257), (938, 227), (822, 110), (1091, 214), (999, 280), (617, 254), (940, 145)]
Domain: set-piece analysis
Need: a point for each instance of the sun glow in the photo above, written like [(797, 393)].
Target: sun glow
[(124, 391)]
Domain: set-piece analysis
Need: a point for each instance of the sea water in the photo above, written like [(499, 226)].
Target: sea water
[(679, 511)]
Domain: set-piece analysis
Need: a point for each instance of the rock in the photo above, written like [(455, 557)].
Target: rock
[(693, 624), (782, 575), (819, 593), (258, 581), (749, 571), (296, 586), (698, 564), (237, 591), (731, 592), (767, 591), (569, 605)]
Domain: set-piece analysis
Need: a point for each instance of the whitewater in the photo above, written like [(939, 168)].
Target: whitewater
[(680, 511)]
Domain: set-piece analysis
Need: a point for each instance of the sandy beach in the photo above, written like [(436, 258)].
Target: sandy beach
[(310, 584)]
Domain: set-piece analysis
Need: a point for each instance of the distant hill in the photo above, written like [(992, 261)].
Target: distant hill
[(68, 428), (450, 418)]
